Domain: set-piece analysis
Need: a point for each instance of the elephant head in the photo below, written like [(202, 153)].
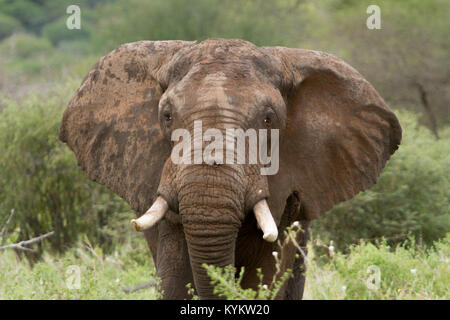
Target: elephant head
[(335, 135)]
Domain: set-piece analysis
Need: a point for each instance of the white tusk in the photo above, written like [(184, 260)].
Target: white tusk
[(152, 216), (265, 221)]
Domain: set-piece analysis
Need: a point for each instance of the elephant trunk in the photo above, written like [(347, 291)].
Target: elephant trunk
[(212, 202), (211, 205), (211, 249)]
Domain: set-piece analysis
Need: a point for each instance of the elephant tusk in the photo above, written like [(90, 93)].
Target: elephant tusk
[(265, 221), (152, 216)]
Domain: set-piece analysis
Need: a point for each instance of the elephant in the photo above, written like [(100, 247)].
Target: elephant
[(336, 134)]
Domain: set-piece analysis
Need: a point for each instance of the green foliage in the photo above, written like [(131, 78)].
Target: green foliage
[(227, 283), (407, 55), (102, 276), (259, 21), (228, 286), (42, 182), (29, 13), (33, 15), (24, 46), (411, 196), (368, 271), (407, 271), (25, 54), (8, 25), (57, 32)]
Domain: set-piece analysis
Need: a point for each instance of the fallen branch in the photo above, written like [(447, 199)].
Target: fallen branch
[(5, 227), (21, 245), (139, 287)]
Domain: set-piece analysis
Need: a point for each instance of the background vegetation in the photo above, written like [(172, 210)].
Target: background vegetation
[(42, 64)]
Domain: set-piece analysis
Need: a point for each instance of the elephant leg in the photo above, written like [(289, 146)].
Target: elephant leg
[(291, 258), (296, 285), (172, 262), (265, 261), (262, 257), (253, 254)]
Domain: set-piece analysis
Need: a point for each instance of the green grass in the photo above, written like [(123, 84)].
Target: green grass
[(406, 272), (101, 276)]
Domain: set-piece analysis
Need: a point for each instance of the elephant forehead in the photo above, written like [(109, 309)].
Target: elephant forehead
[(239, 57), (218, 78), (212, 87), (217, 90), (242, 56), (224, 48)]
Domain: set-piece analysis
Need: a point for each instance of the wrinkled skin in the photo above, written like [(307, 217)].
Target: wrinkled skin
[(336, 134)]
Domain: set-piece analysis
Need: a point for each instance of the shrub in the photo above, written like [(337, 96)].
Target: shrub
[(258, 21), (102, 276), (227, 283), (411, 196), (367, 271), (29, 13), (23, 46), (228, 286), (41, 180), (57, 32), (8, 25), (378, 271)]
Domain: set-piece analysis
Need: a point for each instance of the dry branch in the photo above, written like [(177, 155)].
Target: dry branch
[(5, 227), (21, 245), (139, 287)]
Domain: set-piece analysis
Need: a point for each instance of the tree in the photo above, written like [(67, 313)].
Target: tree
[(407, 60)]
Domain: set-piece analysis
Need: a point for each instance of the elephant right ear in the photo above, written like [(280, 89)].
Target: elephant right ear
[(338, 136), (111, 123)]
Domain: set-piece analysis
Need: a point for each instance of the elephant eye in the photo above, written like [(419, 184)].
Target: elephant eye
[(167, 116), (268, 119)]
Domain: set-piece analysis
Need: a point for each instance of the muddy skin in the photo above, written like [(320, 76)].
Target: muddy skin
[(336, 135)]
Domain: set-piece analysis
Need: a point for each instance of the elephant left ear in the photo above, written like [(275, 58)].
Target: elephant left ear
[(339, 133), (112, 122)]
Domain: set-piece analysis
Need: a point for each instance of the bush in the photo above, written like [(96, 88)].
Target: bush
[(8, 25), (368, 271), (57, 32), (258, 21), (41, 180), (102, 276), (29, 13), (378, 271), (411, 196), (23, 46)]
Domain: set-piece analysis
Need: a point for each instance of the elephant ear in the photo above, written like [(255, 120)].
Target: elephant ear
[(339, 133), (111, 123)]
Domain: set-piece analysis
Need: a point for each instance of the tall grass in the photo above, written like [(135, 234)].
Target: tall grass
[(381, 272), (406, 271), (102, 276)]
